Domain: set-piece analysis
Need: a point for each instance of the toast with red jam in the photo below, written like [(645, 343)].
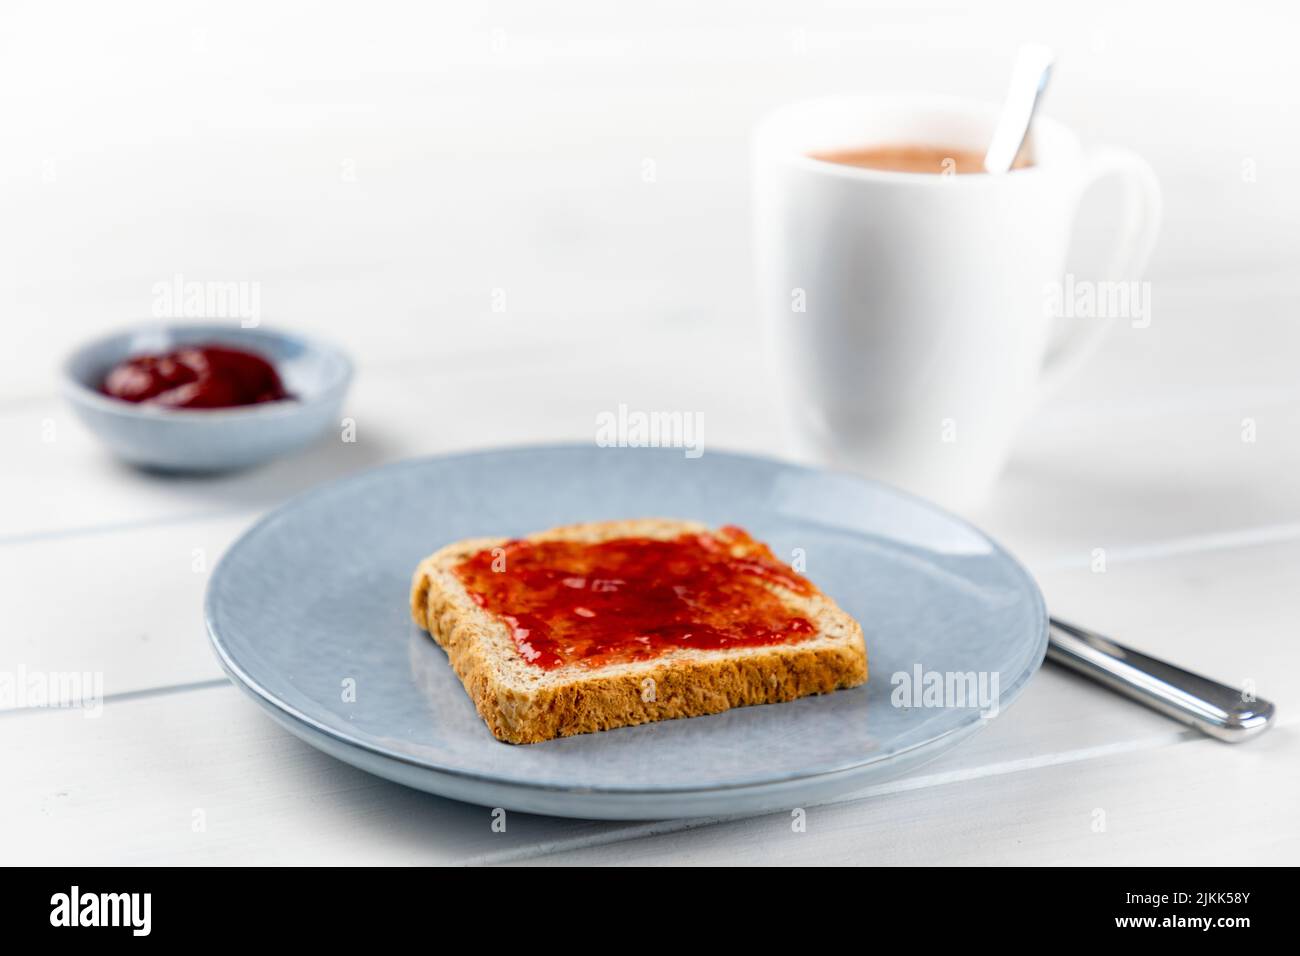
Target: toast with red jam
[(609, 624)]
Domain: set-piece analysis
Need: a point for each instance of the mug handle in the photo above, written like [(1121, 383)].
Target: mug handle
[(1139, 223)]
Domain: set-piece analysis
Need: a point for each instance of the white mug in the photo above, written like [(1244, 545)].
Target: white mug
[(908, 312)]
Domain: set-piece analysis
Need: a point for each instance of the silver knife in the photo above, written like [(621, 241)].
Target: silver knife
[(1223, 712)]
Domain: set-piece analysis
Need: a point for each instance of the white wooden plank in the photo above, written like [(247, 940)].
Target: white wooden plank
[(1136, 451), (417, 407), (128, 605), (125, 788), (1199, 802), (1227, 614)]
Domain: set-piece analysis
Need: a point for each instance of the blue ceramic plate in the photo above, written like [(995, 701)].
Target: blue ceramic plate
[(308, 613)]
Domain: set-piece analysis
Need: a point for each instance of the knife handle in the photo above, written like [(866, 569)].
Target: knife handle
[(1216, 709)]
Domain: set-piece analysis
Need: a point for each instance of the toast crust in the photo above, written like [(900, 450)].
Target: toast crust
[(521, 706)]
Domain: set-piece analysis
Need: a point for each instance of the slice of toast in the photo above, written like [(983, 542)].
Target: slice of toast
[(522, 702)]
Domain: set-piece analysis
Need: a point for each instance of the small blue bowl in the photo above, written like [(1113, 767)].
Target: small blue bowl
[(208, 440)]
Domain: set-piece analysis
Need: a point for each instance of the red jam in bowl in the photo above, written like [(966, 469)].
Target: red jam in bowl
[(633, 599), (202, 376)]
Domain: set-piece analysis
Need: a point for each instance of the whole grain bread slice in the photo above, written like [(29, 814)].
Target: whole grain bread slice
[(522, 703)]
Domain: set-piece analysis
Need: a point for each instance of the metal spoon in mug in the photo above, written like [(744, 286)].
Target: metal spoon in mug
[(1028, 81)]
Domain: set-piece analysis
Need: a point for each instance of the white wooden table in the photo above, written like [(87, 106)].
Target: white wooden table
[(383, 208)]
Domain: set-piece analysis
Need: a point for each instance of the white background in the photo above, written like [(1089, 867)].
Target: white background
[(380, 169)]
